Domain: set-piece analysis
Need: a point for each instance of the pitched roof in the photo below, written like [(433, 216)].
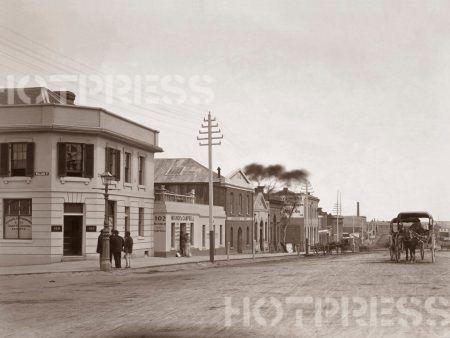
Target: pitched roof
[(239, 179), (181, 170), (35, 95)]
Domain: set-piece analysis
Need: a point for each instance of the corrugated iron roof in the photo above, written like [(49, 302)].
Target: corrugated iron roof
[(181, 170)]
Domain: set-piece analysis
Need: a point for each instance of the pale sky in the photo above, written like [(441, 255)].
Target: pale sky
[(355, 92)]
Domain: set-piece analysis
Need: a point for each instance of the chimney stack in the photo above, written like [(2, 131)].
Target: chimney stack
[(357, 209), (66, 97), (218, 171)]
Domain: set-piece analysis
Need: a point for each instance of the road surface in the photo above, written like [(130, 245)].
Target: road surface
[(345, 295)]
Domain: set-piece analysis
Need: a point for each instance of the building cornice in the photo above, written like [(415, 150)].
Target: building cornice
[(79, 130)]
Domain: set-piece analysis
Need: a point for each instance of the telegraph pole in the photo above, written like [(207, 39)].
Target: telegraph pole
[(208, 130)]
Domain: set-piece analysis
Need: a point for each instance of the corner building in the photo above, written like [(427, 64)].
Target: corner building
[(52, 152)]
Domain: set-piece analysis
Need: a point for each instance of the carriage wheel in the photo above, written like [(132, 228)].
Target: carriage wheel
[(422, 251)]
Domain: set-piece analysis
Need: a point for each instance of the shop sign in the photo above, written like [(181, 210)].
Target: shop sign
[(91, 228), (182, 218), (160, 223), (56, 228)]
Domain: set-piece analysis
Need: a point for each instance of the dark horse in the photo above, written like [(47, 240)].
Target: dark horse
[(410, 242)]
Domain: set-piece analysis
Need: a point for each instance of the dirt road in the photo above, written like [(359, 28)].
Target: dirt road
[(344, 295)]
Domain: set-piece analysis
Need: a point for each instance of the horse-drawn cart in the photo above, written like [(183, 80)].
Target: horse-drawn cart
[(411, 230)]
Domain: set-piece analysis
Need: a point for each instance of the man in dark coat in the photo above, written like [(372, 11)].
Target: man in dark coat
[(128, 248), (100, 245), (116, 248)]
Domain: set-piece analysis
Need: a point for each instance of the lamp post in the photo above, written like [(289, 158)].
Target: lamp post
[(105, 263)]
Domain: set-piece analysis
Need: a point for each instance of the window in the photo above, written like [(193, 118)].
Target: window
[(265, 230), (248, 236), (127, 218), (203, 235), (248, 205), (191, 235), (141, 222), (240, 204), (172, 235), (17, 219), (76, 159), (231, 237), (141, 164), (231, 202), (127, 169), (112, 163), (112, 214), (17, 159), (221, 235)]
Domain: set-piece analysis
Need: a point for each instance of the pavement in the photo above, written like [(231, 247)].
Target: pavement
[(136, 263)]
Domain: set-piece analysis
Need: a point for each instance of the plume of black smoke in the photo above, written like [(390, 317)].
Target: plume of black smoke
[(258, 172)]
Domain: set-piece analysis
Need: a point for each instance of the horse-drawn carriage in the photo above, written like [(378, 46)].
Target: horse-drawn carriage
[(411, 230)]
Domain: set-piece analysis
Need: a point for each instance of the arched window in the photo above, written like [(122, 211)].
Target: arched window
[(231, 202), (231, 237), (265, 230)]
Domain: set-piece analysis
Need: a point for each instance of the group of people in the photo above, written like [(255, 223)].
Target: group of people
[(117, 245)]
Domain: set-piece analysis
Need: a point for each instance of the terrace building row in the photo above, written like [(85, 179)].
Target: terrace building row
[(52, 206)]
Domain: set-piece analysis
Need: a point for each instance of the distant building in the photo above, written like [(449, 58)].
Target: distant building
[(276, 205), (181, 205), (262, 221), (304, 223), (357, 224), (183, 186), (51, 199)]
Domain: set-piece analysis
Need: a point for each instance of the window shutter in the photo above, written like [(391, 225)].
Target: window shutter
[(4, 159), (107, 158), (62, 159), (117, 165), (89, 160), (30, 160)]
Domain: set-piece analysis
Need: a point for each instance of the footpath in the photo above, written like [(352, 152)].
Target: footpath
[(136, 263)]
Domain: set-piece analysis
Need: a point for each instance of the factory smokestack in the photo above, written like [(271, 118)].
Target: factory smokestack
[(357, 209)]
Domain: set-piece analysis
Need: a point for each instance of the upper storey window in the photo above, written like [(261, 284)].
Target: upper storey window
[(76, 159), (17, 159)]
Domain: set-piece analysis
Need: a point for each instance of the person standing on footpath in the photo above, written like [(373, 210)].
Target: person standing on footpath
[(100, 246), (128, 248), (116, 248)]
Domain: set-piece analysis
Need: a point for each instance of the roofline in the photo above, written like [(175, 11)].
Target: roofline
[(79, 107), (79, 130)]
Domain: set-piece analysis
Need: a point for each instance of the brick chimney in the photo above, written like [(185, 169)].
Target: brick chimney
[(218, 171), (66, 97)]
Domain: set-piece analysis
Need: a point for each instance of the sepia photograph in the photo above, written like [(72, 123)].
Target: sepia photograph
[(212, 168)]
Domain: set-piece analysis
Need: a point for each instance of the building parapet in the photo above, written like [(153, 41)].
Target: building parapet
[(163, 195)]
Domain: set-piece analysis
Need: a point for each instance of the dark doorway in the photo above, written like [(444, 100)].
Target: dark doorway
[(182, 237), (261, 239), (73, 235), (239, 243)]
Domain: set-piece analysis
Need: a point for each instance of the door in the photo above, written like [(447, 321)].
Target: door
[(73, 235), (261, 239), (182, 237), (239, 239)]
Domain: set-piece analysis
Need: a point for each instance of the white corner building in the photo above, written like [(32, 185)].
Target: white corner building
[(52, 205)]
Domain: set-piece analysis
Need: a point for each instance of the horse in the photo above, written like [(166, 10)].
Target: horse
[(410, 242)]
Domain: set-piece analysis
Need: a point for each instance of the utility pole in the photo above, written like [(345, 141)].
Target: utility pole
[(337, 210), (209, 142)]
